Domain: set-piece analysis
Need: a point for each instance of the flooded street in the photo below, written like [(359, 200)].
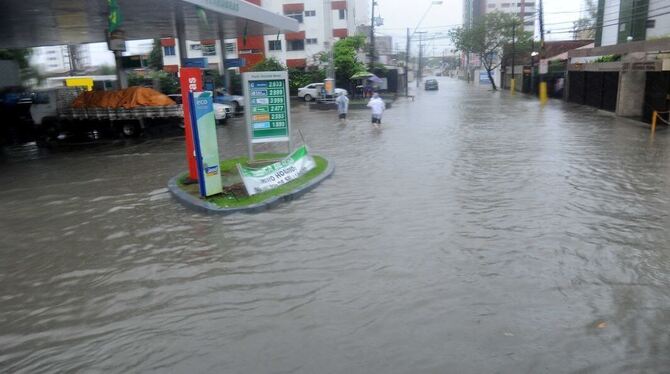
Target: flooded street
[(475, 233)]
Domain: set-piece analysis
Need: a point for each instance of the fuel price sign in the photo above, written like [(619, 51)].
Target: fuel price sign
[(268, 112)]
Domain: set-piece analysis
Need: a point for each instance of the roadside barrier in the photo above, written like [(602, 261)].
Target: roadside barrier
[(655, 117)]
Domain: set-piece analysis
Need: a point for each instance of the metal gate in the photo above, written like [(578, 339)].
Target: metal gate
[(656, 94), (596, 89)]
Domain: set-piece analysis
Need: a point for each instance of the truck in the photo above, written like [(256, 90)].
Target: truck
[(55, 118)]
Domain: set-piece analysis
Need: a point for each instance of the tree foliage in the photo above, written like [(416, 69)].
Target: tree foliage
[(584, 28), (268, 64), (22, 57), (156, 56), (300, 78), (487, 37), (345, 56)]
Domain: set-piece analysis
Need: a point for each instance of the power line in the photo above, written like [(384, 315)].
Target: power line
[(563, 31)]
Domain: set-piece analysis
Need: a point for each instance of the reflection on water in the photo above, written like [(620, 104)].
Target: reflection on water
[(474, 233)]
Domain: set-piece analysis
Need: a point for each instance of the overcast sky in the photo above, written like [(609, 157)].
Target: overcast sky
[(400, 14)]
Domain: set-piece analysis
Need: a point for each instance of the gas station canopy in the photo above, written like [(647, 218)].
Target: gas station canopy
[(35, 23)]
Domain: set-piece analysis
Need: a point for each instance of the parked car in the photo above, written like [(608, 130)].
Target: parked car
[(221, 111), (313, 91), (431, 85), (236, 102)]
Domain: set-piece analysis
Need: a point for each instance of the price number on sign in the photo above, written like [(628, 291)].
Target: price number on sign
[(276, 84), (276, 108), (276, 100), (275, 92), (276, 116), (279, 124)]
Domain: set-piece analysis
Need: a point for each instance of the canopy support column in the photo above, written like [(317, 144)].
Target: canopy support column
[(222, 43), (121, 77), (181, 34)]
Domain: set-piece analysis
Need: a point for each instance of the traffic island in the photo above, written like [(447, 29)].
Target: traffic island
[(235, 198)]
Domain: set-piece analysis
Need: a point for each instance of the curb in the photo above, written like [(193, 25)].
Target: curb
[(205, 207)]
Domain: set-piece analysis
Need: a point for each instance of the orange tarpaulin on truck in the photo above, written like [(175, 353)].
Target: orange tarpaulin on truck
[(127, 98)]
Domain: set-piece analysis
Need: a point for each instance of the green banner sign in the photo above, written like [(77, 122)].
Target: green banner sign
[(272, 176), (115, 17)]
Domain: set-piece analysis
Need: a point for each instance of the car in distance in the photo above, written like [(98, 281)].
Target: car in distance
[(431, 85), (313, 91), (236, 102), (221, 111)]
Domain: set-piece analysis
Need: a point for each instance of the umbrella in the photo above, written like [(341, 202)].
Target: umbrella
[(375, 79), (361, 75)]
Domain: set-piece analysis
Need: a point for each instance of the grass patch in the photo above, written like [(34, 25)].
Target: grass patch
[(235, 195)]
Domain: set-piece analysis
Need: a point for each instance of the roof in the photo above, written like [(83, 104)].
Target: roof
[(34, 23)]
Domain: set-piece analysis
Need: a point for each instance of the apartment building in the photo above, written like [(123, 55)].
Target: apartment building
[(524, 9), (622, 21), (52, 59), (297, 50)]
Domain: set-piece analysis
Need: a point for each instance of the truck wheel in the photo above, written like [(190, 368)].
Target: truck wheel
[(47, 132), (307, 97), (130, 130)]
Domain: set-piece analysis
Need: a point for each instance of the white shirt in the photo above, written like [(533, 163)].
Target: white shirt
[(378, 105)]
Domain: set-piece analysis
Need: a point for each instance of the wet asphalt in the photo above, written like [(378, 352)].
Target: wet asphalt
[(476, 232)]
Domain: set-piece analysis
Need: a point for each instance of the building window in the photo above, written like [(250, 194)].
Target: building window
[(169, 51), (310, 13), (529, 5), (505, 5), (51, 52), (491, 5), (295, 16), (209, 50), (651, 23), (53, 65), (311, 41), (343, 13), (274, 45), (295, 45)]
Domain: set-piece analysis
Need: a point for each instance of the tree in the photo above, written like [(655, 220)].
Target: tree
[(345, 56), (583, 28), (487, 37), (22, 57), (156, 56), (269, 64)]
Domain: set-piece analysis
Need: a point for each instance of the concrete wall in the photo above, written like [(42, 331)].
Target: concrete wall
[(630, 99)]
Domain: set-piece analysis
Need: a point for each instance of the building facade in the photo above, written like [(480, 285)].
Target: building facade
[(51, 60), (524, 9), (320, 22), (621, 21)]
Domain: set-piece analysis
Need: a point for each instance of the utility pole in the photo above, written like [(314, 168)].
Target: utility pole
[(513, 80), (373, 58), (543, 83), (420, 62), (328, 35), (407, 65)]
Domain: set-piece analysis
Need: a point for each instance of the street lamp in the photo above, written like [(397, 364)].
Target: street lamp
[(419, 67)]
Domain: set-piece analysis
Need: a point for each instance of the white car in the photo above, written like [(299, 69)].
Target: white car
[(313, 91), (221, 111)]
